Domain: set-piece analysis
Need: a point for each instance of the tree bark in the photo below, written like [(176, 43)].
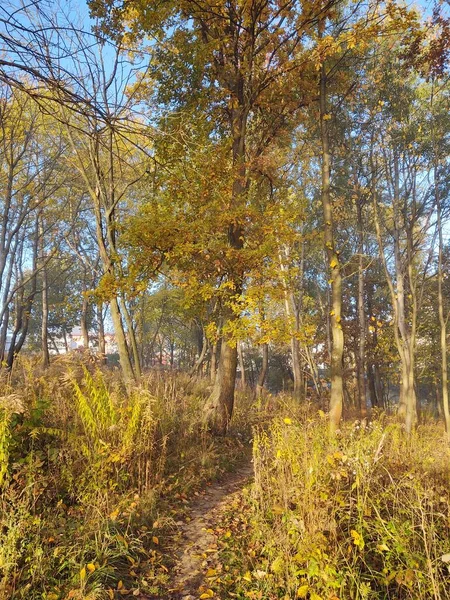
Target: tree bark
[(213, 364), (44, 328), (133, 342), (84, 322), (122, 347), (101, 332), (337, 334), (201, 357), (264, 367), (219, 408), (361, 316), (404, 337), (242, 366), (442, 320)]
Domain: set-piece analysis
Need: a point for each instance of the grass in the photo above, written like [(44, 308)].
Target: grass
[(365, 516), (94, 483), (94, 480)]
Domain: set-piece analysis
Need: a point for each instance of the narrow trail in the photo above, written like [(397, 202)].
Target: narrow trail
[(199, 543)]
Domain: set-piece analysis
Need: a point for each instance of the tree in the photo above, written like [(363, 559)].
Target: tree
[(242, 57)]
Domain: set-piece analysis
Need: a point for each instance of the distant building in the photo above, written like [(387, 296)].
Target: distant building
[(8, 342), (74, 341)]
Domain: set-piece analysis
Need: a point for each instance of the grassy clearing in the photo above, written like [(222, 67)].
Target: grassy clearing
[(93, 481), (364, 517)]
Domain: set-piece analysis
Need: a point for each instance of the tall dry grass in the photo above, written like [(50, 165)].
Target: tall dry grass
[(363, 516), (92, 478)]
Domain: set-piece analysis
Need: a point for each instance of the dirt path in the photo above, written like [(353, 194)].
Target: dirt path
[(197, 542)]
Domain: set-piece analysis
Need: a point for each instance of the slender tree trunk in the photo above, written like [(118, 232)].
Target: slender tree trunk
[(53, 343), (4, 335), (133, 342), (44, 328), (337, 334), (172, 353), (263, 373), (293, 314), (66, 344), (442, 320), (361, 317), (242, 366), (122, 347), (101, 332), (102, 193), (403, 338), (201, 358), (213, 364), (84, 322)]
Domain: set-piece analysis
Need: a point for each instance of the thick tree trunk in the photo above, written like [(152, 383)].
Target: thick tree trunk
[(337, 334), (263, 373), (297, 371), (219, 408), (379, 386), (24, 306)]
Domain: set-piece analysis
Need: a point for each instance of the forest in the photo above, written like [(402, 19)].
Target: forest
[(224, 299)]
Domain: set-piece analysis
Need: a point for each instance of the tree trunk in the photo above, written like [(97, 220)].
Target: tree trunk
[(293, 314), (201, 358), (213, 364), (361, 317), (44, 328), (101, 332), (133, 343), (442, 320), (4, 335), (242, 366), (404, 337), (263, 373), (24, 306), (66, 344), (337, 334), (84, 322), (124, 356), (219, 407)]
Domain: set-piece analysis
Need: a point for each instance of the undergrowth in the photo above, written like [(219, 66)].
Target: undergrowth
[(366, 516), (93, 480)]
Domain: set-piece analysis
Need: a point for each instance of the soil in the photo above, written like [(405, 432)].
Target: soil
[(198, 541)]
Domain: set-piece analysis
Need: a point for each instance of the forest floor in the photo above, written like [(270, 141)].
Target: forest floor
[(106, 496), (196, 553)]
